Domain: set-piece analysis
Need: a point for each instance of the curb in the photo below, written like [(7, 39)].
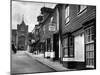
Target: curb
[(46, 65)]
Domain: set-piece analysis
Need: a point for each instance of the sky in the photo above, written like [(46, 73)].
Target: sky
[(30, 11)]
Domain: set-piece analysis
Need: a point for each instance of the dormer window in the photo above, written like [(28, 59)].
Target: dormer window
[(81, 9), (67, 14)]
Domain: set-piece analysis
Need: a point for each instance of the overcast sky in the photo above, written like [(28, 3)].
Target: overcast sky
[(30, 10)]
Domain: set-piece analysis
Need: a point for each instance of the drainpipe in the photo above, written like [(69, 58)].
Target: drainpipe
[(60, 30)]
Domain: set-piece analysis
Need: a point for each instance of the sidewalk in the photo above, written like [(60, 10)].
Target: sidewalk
[(52, 64)]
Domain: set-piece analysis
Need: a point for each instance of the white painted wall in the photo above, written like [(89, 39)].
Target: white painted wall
[(78, 49)]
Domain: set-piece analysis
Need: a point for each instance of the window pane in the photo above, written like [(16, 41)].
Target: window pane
[(67, 19), (88, 39), (87, 47), (86, 55), (91, 47), (70, 41), (67, 15), (67, 12), (82, 7), (92, 37), (65, 42), (91, 54), (88, 31), (52, 19), (71, 51), (88, 62), (66, 52), (92, 30), (64, 45), (91, 62)]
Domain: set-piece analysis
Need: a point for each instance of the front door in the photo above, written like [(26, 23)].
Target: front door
[(56, 46)]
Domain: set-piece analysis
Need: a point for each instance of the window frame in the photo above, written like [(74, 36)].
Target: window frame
[(44, 30), (67, 17), (81, 10), (70, 53), (90, 50)]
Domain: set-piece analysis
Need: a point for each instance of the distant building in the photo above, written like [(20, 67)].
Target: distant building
[(49, 33), (14, 36), (20, 36), (37, 37)]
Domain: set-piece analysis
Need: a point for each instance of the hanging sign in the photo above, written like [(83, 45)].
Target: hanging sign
[(52, 27)]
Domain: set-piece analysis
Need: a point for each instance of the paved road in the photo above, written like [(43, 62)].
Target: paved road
[(22, 63)]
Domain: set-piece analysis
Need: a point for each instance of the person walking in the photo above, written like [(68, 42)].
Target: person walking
[(13, 48)]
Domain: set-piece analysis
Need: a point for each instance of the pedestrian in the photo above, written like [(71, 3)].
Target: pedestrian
[(13, 48)]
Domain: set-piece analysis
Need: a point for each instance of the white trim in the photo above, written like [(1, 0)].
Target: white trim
[(72, 59), (57, 19), (59, 47), (90, 66)]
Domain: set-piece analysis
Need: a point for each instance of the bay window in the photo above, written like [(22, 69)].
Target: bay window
[(68, 46)]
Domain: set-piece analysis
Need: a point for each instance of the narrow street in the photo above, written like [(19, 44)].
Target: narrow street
[(52, 37), (22, 63)]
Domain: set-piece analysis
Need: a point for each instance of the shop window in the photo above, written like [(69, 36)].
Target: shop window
[(89, 34), (71, 44), (89, 44), (67, 15), (68, 47)]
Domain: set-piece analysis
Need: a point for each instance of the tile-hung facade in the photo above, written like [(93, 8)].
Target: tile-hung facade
[(78, 36), (49, 35)]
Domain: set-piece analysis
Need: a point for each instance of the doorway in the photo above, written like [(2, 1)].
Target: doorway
[(56, 46)]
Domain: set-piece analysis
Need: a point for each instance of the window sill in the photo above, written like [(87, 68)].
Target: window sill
[(65, 56), (89, 42)]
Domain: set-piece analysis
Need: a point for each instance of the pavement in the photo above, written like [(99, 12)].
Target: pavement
[(57, 66)]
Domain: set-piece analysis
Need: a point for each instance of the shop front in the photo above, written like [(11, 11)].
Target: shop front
[(90, 43)]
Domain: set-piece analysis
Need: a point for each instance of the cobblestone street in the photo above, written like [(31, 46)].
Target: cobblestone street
[(22, 63)]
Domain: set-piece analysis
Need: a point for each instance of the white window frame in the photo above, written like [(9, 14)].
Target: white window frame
[(52, 18), (89, 48), (82, 9), (66, 47), (67, 14)]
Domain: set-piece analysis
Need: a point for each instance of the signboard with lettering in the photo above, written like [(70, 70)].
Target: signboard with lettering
[(52, 27)]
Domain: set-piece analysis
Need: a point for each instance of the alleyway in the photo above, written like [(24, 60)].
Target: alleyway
[(23, 63)]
